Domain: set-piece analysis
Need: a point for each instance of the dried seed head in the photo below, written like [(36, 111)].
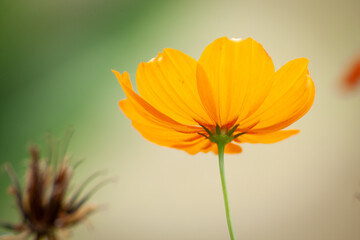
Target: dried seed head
[(45, 205)]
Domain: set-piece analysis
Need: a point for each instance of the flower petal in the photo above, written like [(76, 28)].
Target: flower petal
[(233, 78), (168, 83), (232, 148), (291, 96), (189, 142), (211, 148), (229, 148), (137, 109), (199, 145), (272, 137)]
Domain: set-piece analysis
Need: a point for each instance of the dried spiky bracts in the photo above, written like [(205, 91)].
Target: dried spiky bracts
[(46, 206)]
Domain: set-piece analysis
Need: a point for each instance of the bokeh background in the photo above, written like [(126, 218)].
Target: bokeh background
[(55, 72)]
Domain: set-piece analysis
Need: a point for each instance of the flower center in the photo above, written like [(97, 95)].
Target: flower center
[(221, 135)]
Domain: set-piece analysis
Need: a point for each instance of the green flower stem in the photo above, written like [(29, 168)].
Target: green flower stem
[(221, 147)]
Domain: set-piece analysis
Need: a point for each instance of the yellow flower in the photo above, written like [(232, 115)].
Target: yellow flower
[(230, 96), (233, 92)]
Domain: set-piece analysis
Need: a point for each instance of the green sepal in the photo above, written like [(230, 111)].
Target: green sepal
[(206, 129), (239, 134), (203, 135), (230, 133), (220, 136), (218, 130)]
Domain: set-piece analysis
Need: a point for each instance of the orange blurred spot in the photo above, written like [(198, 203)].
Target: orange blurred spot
[(352, 75)]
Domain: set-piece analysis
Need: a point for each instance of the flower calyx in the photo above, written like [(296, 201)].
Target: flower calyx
[(221, 135)]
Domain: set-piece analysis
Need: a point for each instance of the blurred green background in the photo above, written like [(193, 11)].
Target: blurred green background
[(55, 72)]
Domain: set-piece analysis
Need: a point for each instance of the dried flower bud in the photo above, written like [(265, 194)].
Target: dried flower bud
[(45, 205)]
